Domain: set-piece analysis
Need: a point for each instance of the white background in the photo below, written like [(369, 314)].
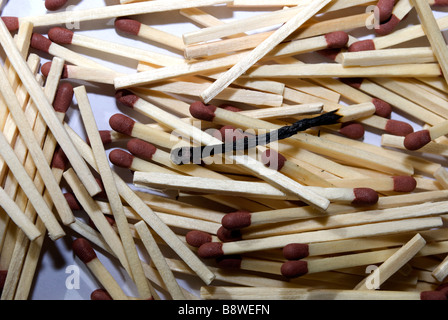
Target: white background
[(50, 280)]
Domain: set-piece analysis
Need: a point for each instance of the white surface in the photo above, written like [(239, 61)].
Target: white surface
[(51, 276)]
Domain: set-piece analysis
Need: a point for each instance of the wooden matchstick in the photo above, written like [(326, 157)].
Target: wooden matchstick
[(136, 271), (213, 249), (114, 11), (267, 293), (261, 50), (393, 263), (336, 70), (435, 37), (159, 261), (46, 110), (85, 252), (64, 36), (144, 31), (441, 271)]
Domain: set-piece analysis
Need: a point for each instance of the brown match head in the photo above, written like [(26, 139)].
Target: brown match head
[(440, 3), (11, 23), (121, 158), (122, 124), (236, 220), (363, 45), (61, 35), (352, 130), (82, 248), (365, 196), (353, 82), (63, 98), (388, 27), (141, 149), (46, 67), (229, 107), (127, 25), (126, 98), (382, 108), (226, 235), (229, 262), (294, 268), (398, 128), (197, 238), (210, 250), (330, 54), (39, 42), (417, 140), (105, 136), (53, 5), (100, 294), (385, 8), (273, 160), (404, 183), (59, 160), (432, 295), (3, 274), (202, 111), (296, 251), (336, 40), (72, 201)]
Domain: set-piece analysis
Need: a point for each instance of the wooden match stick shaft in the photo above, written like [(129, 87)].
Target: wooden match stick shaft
[(46, 110), (394, 262), (116, 11), (435, 37), (112, 193)]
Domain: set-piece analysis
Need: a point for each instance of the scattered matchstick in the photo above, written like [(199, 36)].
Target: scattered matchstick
[(419, 139)]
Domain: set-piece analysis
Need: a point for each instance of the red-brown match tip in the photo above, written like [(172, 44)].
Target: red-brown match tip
[(3, 274), (39, 42), (330, 54), (82, 248), (273, 160), (53, 5), (363, 45), (296, 251), (100, 294), (417, 140), (202, 111), (126, 98), (353, 82), (352, 130), (72, 201), (226, 235), (45, 70), (382, 108), (229, 107), (229, 262), (59, 160), (336, 39), (385, 8), (121, 158), (365, 196), (11, 23), (63, 98), (440, 3), (122, 124), (61, 35), (197, 238), (398, 128), (105, 136), (127, 25), (294, 268), (404, 183), (210, 250), (388, 27), (432, 295), (236, 220), (141, 149)]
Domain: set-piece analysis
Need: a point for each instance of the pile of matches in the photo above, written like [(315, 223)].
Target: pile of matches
[(253, 160)]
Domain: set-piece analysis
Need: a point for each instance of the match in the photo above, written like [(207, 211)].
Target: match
[(419, 139)]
